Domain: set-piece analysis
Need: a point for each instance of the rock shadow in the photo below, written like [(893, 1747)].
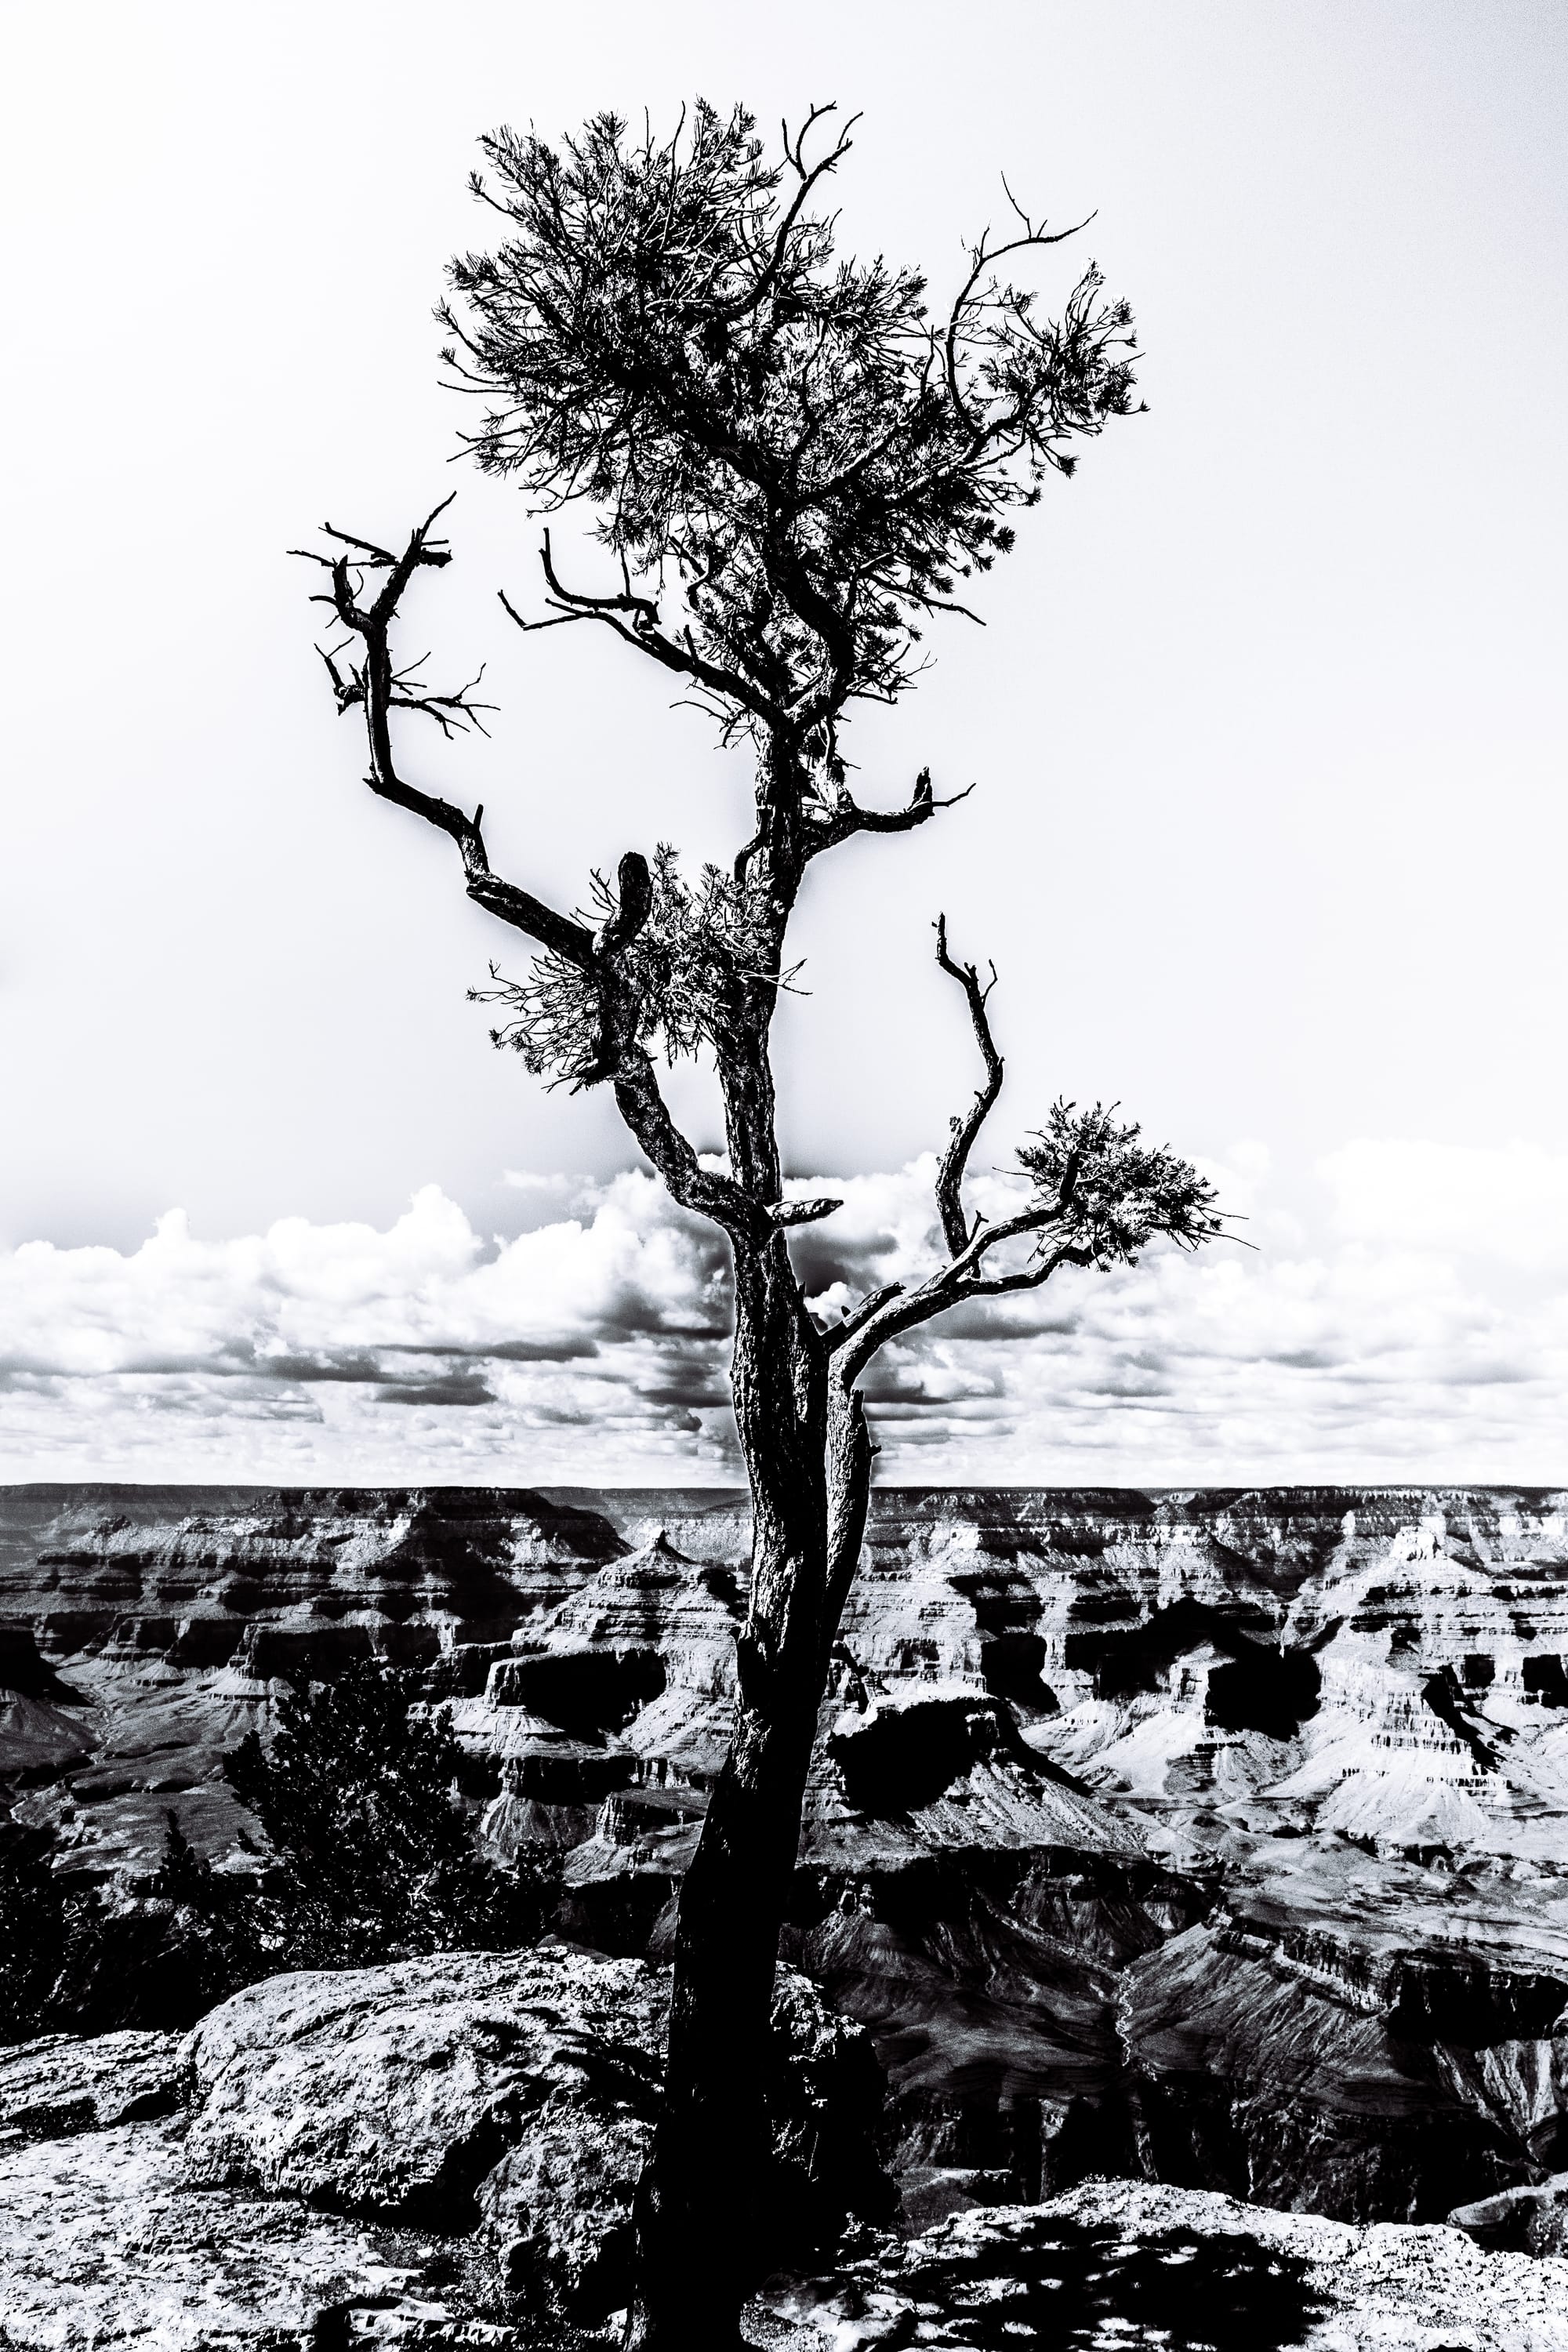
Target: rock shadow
[(1073, 2285)]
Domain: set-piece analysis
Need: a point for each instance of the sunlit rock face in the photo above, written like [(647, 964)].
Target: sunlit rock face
[(1218, 1837), (415, 2154)]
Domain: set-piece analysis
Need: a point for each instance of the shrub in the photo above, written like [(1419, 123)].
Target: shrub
[(375, 1855), (374, 1858)]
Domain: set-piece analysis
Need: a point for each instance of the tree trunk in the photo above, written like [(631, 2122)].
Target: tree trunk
[(702, 2204)]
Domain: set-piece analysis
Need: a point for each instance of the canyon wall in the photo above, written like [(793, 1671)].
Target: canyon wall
[(1219, 1838)]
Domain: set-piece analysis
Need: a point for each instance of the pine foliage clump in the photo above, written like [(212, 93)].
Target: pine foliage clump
[(376, 1853), (685, 971), (1111, 1195), (666, 333), (374, 1857)]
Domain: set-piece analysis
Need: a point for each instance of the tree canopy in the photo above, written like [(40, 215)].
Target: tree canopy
[(790, 438)]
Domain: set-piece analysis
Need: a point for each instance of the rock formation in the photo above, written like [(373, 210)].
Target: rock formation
[(1120, 2262), (454, 2141)]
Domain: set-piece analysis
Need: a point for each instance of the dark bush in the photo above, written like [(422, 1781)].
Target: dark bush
[(76, 1957), (374, 1858), (34, 1930)]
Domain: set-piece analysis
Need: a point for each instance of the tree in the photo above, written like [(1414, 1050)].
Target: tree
[(35, 1925), (791, 464), (378, 1860), (375, 1859)]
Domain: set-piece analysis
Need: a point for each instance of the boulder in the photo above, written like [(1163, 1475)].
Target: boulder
[(1529, 2221), (508, 2096)]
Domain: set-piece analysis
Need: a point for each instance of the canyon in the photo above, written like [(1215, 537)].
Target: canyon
[(1213, 1841)]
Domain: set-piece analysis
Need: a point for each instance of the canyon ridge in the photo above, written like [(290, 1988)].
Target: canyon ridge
[(1216, 1840)]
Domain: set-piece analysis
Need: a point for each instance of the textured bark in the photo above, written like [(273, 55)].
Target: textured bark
[(701, 2220)]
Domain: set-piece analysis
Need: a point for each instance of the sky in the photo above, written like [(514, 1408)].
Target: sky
[(1266, 724)]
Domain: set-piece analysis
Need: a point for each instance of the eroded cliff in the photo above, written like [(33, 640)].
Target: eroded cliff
[(1219, 1838)]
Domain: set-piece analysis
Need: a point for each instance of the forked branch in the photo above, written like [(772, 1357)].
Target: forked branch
[(374, 684), (636, 619), (613, 1052), (842, 818), (1098, 1196)]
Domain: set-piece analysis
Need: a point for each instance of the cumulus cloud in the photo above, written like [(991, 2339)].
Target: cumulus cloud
[(591, 1348), (1508, 1202)]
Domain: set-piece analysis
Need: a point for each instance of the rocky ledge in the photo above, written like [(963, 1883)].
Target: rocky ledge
[(440, 2153), (440, 2145), (1125, 2264)]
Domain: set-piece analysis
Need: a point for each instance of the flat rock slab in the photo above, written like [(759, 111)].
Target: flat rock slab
[(1132, 2264), (102, 2242), (66, 2083)]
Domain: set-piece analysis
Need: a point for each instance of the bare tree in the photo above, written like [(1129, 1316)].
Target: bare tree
[(790, 463)]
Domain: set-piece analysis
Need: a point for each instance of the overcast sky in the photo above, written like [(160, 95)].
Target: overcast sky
[(1267, 721)]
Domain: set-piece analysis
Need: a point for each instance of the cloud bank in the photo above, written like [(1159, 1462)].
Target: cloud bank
[(1425, 1340)]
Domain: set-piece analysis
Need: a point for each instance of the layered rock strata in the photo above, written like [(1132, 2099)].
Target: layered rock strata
[(1222, 1837)]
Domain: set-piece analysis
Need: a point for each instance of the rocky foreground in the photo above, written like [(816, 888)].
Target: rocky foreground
[(417, 2151), (1218, 1843), (442, 2152)]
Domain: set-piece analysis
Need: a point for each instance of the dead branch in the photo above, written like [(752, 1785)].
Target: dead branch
[(888, 1313), (956, 1226), (858, 1315), (374, 684), (801, 1212), (636, 619), (845, 817)]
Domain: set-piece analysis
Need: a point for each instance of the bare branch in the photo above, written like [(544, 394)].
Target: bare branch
[(955, 1159), (635, 618), (1028, 1277), (801, 1212), (627, 601), (703, 1190), (890, 1313), (375, 686), (847, 817), (453, 713), (859, 1316)]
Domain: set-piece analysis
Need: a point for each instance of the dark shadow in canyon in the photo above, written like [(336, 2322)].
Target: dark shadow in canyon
[(1262, 1687)]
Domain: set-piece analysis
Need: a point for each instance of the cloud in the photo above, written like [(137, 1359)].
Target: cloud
[(1508, 1202), (592, 1348)]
